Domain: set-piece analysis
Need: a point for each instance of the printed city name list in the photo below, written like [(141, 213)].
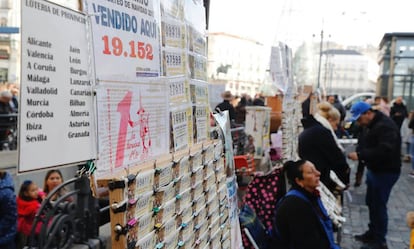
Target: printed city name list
[(42, 84)]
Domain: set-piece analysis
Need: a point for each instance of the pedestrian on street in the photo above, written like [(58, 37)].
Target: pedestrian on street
[(411, 127), (398, 111), (226, 105), (381, 154), (333, 100), (8, 212), (28, 203), (6, 121), (319, 144), (301, 220), (240, 109), (53, 179)]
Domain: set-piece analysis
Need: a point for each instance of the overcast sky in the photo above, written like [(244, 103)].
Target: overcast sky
[(350, 22)]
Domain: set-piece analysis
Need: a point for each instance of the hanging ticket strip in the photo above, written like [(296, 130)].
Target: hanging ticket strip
[(176, 201)]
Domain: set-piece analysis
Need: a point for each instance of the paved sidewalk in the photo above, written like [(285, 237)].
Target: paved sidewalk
[(401, 201)]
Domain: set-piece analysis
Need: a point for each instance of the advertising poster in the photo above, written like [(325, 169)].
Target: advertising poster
[(258, 125), (132, 124), (57, 115), (127, 34)]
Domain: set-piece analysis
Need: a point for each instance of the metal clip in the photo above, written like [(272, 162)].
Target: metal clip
[(119, 207), (132, 222), (116, 184), (132, 202), (132, 177), (131, 244), (120, 230)]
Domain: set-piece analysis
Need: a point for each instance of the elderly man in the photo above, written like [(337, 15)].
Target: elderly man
[(381, 154), (5, 120)]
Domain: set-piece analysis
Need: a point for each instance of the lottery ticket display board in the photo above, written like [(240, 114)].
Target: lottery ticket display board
[(179, 200), (124, 85)]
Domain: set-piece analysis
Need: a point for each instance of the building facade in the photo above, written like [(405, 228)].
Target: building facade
[(346, 72), (239, 63), (337, 69), (9, 41), (396, 62)]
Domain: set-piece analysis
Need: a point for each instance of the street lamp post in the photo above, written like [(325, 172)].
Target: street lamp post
[(320, 59)]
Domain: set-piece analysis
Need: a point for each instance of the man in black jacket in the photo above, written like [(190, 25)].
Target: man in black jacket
[(226, 105), (381, 154), (398, 111)]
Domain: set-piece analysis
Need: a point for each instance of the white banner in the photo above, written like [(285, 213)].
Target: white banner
[(133, 124), (258, 125), (231, 183), (125, 34), (236, 239), (57, 118)]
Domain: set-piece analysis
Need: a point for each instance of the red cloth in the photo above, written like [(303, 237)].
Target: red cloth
[(26, 211)]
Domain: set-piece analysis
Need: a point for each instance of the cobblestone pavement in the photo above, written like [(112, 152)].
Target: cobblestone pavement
[(356, 212)]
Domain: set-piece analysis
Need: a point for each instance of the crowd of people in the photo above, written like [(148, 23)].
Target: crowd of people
[(236, 105), (17, 213), (382, 130), (9, 104)]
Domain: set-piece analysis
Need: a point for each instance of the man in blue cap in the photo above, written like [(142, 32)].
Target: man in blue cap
[(380, 153)]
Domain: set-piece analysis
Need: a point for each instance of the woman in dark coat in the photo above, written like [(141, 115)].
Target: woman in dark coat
[(301, 220), (318, 144), (8, 212)]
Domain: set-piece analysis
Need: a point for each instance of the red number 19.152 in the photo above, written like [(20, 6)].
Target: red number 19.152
[(114, 46)]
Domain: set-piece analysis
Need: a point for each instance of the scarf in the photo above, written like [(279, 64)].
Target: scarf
[(325, 123)]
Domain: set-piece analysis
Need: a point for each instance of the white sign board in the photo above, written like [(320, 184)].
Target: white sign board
[(57, 118), (258, 125), (133, 124), (125, 34)]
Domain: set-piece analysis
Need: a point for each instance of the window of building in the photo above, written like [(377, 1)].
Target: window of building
[(405, 48), (3, 22), (402, 49)]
